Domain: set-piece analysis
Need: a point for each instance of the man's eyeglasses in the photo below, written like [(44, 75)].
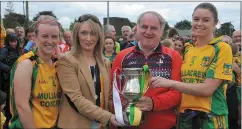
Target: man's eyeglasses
[(87, 17)]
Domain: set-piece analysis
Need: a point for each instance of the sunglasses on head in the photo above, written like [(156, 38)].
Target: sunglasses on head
[(13, 35), (87, 17)]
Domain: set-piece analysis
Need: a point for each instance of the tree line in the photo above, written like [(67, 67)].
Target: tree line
[(12, 19)]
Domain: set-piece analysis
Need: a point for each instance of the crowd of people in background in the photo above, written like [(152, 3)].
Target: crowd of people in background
[(46, 74)]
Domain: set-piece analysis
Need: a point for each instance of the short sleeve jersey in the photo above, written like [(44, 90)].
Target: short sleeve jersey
[(45, 95), (213, 60)]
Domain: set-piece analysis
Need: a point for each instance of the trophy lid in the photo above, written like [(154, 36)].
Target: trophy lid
[(132, 71)]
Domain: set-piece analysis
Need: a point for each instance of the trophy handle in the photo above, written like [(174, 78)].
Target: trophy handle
[(144, 86), (118, 77)]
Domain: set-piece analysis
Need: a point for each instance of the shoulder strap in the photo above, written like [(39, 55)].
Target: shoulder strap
[(186, 48), (216, 51), (33, 57), (35, 62)]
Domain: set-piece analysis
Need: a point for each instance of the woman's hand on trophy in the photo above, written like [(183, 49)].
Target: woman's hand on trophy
[(114, 122), (160, 82), (145, 104)]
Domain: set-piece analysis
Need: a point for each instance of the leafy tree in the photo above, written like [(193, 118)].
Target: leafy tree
[(29, 24), (10, 8), (50, 13), (132, 24), (13, 20), (226, 29), (165, 32), (183, 25), (167, 26), (217, 32), (71, 27)]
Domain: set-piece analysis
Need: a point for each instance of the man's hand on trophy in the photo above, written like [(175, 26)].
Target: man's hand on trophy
[(145, 104), (113, 121), (160, 82)]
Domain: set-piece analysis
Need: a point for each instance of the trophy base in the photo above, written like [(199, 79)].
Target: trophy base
[(126, 114)]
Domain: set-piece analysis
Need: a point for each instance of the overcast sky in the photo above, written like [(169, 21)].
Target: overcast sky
[(173, 12)]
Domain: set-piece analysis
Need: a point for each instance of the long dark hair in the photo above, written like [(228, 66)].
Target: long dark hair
[(9, 38)]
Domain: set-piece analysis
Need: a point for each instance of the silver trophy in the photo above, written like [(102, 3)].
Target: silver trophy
[(133, 79)]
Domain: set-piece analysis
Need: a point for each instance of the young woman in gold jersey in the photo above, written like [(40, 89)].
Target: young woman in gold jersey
[(34, 88), (206, 71)]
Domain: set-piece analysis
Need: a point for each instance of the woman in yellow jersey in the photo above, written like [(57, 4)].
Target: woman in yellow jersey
[(109, 48), (34, 89), (206, 71), (84, 78)]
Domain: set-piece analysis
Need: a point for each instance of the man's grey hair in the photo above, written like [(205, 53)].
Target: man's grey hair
[(19, 27), (108, 28), (126, 26), (161, 19)]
